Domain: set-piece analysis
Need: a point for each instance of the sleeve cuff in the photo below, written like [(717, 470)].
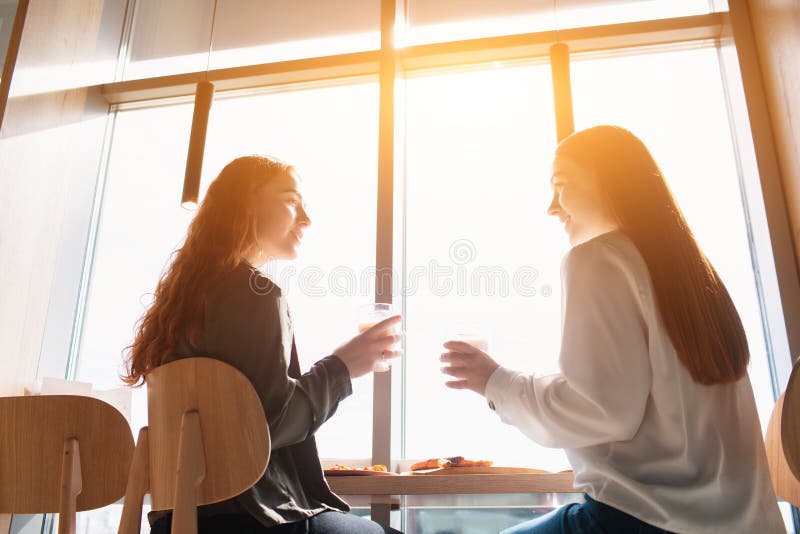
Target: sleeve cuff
[(498, 387), (339, 375)]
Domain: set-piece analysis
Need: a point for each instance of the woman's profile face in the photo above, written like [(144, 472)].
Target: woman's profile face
[(577, 201), (281, 216)]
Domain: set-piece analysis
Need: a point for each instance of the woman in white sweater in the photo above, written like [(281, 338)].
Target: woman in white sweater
[(653, 404)]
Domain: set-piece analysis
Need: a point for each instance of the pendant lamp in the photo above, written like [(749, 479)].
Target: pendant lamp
[(562, 88), (203, 97)]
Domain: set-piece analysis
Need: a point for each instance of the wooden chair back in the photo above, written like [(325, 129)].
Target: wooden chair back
[(207, 440), (790, 422), (61, 453), (783, 442)]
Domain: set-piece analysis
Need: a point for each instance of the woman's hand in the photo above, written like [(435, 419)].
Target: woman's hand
[(470, 366), (379, 342)]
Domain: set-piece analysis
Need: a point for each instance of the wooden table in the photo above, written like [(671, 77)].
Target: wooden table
[(452, 484)]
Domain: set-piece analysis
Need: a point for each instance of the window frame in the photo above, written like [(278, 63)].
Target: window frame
[(775, 264)]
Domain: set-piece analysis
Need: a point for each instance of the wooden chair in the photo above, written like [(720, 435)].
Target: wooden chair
[(61, 453), (207, 440), (783, 442)]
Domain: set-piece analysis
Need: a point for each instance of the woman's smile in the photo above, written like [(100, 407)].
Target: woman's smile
[(575, 193)]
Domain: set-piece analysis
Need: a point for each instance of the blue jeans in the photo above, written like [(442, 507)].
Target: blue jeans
[(324, 523), (589, 517)]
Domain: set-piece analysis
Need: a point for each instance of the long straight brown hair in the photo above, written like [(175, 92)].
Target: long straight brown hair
[(695, 306), (221, 233)]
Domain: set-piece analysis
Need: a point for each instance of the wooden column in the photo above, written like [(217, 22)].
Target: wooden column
[(770, 87), (776, 30)]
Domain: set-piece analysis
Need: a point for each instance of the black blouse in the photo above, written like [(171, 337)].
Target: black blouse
[(247, 325)]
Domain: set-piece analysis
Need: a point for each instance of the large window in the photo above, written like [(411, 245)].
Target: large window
[(482, 255), (475, 251), (142, 223), (329, 134), (675, 102)]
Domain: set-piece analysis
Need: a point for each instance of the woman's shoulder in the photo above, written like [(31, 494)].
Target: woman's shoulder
[(610, 263), (244, 282), (609, 250)]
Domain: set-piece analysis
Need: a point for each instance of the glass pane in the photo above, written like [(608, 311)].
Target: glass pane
[(46, 65), (173, 37), (258, 31), (8, 11), (481, 253), (432, 21), (169, 38), (330, 135), (479, 514), (141, 223), (674, 101)]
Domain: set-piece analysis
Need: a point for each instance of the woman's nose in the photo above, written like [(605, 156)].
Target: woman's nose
[(303, 218), (554, 208)]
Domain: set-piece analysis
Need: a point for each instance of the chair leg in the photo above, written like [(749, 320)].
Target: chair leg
[(191, 471), (138, 485), (71, 486), (5, 523)]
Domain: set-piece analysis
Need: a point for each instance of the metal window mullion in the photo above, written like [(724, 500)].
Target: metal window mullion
[(124, 52), (382, 382), (79, 321)]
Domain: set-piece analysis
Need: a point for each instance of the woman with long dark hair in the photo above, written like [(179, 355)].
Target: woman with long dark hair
[(652, 404), (212, 301)]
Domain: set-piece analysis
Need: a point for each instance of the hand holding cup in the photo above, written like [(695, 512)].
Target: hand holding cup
[(376, 344), (468, 363)]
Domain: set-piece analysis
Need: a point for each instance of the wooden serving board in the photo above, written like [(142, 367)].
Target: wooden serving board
[(357, 473), (478, 470)]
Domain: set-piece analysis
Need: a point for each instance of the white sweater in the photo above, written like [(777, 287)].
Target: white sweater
[(641, 435)]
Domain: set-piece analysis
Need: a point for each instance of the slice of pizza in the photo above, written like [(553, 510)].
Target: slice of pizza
[(463, 462), (338, 467), (433, 463), (377, 467), (452, 461)]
